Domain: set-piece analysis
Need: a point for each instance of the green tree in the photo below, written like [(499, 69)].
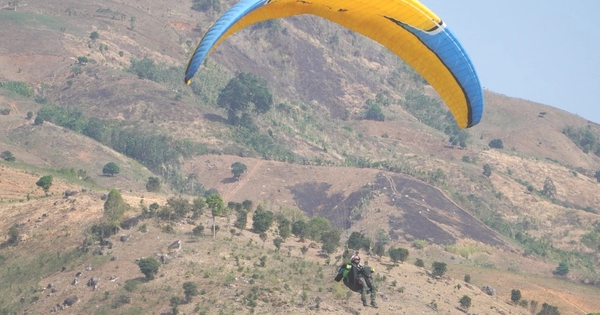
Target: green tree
[(94, 35), (316, 226), (597, 176), (45, 182), (496, 144), (179, 206), (149, 267), (331, 240), (277, 242), (304, 250), (263, 237), (111, 168), (398, 254), (439, 269), (285, 228), (460, 138), (548, 309), (198, 230), (7, 156), (241, 220), (465, 302), (515, 295), (237, 169), (262, 220), (299, 229), (358, 240), (487, 170), (549, 189), (243, 92), (198, 206), (153, 184), (114, 207), (13, 236), (562, 269), (190, 289), (379, 249), (247, 205), (216, 206)]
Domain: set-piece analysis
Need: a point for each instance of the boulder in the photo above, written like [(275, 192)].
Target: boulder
[(175, 245), (69, 193), (70, 301), (488, 290), (107, 242), (93, 282), (130, 223)]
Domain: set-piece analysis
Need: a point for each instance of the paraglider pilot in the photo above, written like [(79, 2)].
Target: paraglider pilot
[(358, 278)]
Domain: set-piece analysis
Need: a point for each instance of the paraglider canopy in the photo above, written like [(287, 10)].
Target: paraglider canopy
[(406, 27)]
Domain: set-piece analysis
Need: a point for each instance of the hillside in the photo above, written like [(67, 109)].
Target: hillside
[(119, 97)]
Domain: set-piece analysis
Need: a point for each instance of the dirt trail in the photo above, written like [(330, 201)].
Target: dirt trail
[(392, 183), (562, 297), (241, 183)]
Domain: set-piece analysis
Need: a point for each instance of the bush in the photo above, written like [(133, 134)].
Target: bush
[(439, 269), (496, 144), (205, 5), (515, 296), (374, 112), (419, 262), (562, 269), (190, 289), (467, 278), (153, 184), (7, 156), (487, 170)]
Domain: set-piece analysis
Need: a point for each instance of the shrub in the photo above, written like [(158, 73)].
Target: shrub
[(153, 184), (419, 244), (515, 296), (487, 170), (190, 289), (419, 262), (7, 156), (374, 112), (467, 278), (21, 88), (562, 269), (496, 144), (13, 236)]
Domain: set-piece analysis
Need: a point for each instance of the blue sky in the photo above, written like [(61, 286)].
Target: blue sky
[(546, 51)]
